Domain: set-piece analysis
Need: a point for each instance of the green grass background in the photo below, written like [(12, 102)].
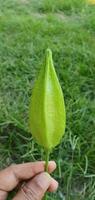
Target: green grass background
[(27, 28)]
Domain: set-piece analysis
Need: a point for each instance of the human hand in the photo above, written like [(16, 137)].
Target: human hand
[(35, 181)]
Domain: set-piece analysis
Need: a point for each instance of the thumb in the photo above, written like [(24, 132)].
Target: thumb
[(35, 188)]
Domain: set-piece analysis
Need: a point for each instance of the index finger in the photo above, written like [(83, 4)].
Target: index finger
[(11, 176)]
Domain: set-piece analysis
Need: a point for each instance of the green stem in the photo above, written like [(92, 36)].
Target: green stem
[(46, 167), (47, 160)]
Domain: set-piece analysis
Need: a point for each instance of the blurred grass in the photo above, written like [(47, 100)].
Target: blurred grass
[(27, 28)]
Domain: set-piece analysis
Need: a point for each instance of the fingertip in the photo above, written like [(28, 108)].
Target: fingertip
[(53, 186), (51, 166)]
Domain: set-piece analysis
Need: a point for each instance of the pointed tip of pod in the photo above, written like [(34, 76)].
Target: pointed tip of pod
[(49, 60), (48, 53)]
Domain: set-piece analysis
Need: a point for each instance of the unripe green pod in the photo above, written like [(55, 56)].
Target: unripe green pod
[(47, 116)]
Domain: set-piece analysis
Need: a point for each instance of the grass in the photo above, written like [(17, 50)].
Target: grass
[(27, 28)]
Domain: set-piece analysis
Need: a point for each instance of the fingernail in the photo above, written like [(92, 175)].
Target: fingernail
[(52, 163)]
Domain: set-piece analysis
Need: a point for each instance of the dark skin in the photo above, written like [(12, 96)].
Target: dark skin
[(36, 180)]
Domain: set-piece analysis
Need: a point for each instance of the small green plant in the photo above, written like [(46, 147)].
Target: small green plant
[(47, 116)]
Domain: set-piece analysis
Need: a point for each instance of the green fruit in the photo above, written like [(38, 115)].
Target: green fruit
[(47, 117)]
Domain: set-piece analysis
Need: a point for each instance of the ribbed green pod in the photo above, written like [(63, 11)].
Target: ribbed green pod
[(47, 116)]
